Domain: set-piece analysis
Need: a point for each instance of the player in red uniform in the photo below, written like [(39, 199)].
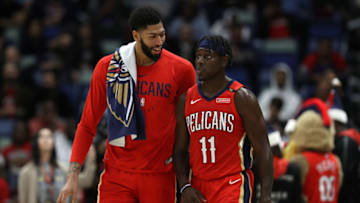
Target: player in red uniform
[(136, 170), (219, 126)]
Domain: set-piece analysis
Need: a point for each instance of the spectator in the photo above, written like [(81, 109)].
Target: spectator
[(273, 22), (50, 90), (274, 116), (232, 28), (63, 142), (347, 143), (42, 179), (17, 154), (231, 19), (327, 89), (13, 29), (32, 38), (281, 86), (65, 49), (12, 54), (46, 116), (325, 57), (321, 99), (86, 45), (7, 9), (184, 43), (76, 87), (190, 12), (17, 99)]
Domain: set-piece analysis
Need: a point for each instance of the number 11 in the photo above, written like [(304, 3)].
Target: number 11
[(211, 140)]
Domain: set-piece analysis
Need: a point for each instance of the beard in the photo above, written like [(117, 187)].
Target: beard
[(147, 51)]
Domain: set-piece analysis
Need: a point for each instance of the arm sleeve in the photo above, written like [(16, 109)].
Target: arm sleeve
[(22, 187), (92, 113), (187, 79)]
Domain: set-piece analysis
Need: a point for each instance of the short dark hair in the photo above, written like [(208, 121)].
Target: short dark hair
[(220, 45), (141, 17)]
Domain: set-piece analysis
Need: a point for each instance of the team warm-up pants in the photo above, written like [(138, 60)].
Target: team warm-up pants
[(237, 188), (126, 187)]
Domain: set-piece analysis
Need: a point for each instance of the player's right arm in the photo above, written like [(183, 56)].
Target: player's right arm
[(181, 156), (93, 111)]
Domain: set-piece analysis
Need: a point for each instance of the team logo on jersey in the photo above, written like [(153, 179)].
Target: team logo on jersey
[(120, 91), (195, 101), (142, 102), (232, 182), (223, 100)]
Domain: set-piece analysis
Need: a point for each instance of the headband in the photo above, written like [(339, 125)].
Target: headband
[(209, 44)]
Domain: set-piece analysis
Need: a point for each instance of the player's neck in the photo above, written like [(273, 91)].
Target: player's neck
[(215, 85), (141, 58)]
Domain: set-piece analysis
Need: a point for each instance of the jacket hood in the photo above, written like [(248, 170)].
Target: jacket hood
[(289, 76)]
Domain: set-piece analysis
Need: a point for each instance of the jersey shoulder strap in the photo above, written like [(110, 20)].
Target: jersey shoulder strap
[(235, 86)]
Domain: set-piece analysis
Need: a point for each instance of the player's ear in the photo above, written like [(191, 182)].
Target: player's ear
[(136, 35), (224, 61)]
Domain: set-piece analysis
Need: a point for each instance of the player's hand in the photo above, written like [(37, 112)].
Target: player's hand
[(192, 195), (70, 188)]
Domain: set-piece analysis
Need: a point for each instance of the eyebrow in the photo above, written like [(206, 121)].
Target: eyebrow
[(155, 33)]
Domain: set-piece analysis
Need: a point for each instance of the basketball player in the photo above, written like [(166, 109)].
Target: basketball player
[(219, 126), (137, 162)]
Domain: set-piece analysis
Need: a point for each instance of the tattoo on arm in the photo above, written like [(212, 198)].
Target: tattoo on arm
[(75, 167)]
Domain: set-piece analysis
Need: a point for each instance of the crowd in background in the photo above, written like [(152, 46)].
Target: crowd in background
[(281, 49)]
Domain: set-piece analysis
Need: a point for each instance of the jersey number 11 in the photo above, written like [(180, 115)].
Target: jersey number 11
[(211, 140)]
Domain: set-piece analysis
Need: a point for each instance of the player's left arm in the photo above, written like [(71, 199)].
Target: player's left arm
[(255, 128)]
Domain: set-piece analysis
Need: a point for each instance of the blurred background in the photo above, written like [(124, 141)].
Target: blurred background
[(281, 50)]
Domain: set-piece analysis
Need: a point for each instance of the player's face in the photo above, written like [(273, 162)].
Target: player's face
[(152, 40), (208, 64)]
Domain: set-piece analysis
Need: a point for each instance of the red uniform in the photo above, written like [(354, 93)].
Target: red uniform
[(322, 179), (220, 152), (159, 86)]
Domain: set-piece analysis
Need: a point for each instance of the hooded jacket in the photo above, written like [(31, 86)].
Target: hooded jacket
[(291, 99)]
